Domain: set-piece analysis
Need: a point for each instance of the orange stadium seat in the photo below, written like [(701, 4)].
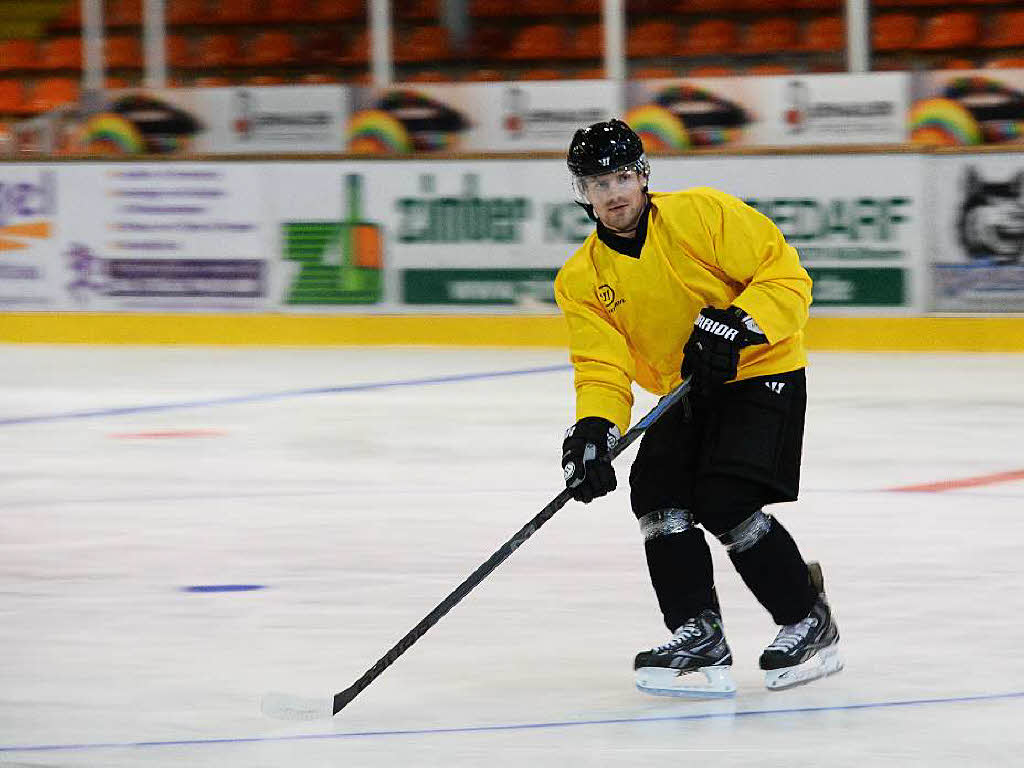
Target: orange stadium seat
[(489, 8), (265, 80), (1007, 31), (653, 38), (12, 97), (318, 78), (124, 13), (324, 47), (123, 52), (541, 74), (19, 54), (1007, 62), (212, 81), (428, 43), (893, 31), (709, 37), (235, 12), (711, 71), (420, 9), (589, 73), (954, 64), (217, 50), (957, 29), (427, 76), (705, 6), (819, 5), (61, 53), (488, 42), (769, 69), (824, 34), (770, 36), (653, 73), (764, 6), (586, 42), (337, 10), (116, 83), (541, 7), (539, 41), (70, 17), (357, 51), (271, 48), (187, 12), (486, 75), (288, 10), (53, 92), (178, 51), (583, 7)]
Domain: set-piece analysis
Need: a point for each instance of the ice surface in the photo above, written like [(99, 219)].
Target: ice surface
[(360, 509)]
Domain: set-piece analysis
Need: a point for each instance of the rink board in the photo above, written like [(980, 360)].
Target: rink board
[(977, 334)]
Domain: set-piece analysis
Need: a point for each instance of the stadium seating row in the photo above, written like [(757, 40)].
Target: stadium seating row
[(429, 43), (230, 12)]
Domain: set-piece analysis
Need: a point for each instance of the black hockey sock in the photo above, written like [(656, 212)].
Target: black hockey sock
[(682, 575), (776, 573)]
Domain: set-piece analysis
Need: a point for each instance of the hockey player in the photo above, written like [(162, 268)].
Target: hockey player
[(694, 283)]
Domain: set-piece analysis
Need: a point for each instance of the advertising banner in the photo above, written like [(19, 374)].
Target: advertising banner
[(857, 220), (469, 233), (978, 232), (30, 204), (383, 233), (787, 110), (475, 117), (164, 236), (966, 107), (277, 119)]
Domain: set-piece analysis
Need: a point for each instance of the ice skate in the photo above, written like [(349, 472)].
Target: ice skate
[(696, 662), (807, 650)]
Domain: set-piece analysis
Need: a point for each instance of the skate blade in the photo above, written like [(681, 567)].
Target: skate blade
[(704, 683), (822, 664)]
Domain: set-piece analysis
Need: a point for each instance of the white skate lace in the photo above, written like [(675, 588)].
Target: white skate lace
[(791, 635), (688, 631)]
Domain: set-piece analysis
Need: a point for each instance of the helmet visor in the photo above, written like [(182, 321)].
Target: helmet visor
[(625, 177)]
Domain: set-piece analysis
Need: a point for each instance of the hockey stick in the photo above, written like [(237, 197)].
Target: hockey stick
[(287, 707)]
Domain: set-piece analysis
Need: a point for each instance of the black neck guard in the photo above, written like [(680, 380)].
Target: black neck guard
[(627, 246)]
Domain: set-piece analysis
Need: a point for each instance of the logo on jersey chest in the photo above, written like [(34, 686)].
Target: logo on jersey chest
[(607, 296)]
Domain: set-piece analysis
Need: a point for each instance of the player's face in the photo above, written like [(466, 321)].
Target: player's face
[(618, 198)]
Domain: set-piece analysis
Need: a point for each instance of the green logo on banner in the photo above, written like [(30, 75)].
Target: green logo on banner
[(524, 287), (339, 261), (858, 287)]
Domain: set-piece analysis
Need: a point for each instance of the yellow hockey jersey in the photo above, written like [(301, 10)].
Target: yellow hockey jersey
[(630, 315)]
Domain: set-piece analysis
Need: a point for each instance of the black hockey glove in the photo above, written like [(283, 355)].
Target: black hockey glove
[(586, 458), (712, 353)]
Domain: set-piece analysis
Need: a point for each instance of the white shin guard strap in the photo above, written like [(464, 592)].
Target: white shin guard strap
[(747, 534), (664, 522)]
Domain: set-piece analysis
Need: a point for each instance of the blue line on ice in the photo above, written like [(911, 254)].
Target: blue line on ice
[(263, 397), (517, 726)]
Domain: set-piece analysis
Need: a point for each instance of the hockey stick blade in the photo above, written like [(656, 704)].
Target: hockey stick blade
[(286, 707)]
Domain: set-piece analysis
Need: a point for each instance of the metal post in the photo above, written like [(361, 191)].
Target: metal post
[(92, 54), (154, 37), (380, 43), (858, 36), (614, 19)]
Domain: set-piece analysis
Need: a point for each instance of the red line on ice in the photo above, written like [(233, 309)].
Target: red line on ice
[(965, 482), (168, 434)]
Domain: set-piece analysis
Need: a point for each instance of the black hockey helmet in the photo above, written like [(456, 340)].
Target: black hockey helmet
[(602, 148)]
